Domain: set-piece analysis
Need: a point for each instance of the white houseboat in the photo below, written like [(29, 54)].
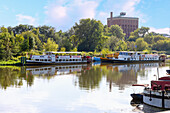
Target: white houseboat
[(131, 57), (57, 58)]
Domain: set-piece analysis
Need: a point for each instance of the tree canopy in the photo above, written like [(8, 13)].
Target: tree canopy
[(87, 35)]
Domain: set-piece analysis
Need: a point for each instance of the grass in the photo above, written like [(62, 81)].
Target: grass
[(9, 62)]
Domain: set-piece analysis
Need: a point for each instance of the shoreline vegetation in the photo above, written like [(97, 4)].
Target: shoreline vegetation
[(89, 36), (17, 61), (10, 63)]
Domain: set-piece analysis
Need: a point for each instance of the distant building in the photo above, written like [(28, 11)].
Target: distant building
[(128, 24)]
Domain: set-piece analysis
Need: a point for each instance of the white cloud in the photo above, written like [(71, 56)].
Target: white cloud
[(63, 14), (129, 6), (24, 19), (161, 30)]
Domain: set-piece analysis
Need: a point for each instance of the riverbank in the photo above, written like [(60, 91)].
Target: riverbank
[(10, 63)]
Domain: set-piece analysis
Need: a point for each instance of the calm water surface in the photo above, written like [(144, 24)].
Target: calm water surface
[(95, 88)]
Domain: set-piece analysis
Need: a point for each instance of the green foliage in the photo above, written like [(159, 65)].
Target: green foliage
[(116, 31), (74, 50), (143, 31), (121, 46), (104, 52), (50, 45), (89, 34), (140, 32), (141, 44), (158, 37), (63, 49), (6, 44), (111, 43), (162, 45), (131, 45)]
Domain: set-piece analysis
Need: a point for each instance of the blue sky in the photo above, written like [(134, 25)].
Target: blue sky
[(62, 14)]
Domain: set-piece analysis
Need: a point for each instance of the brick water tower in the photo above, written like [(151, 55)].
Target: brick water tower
[(128, 24)]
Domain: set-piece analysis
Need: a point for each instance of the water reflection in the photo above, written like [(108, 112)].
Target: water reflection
[(73, 88), (116, 75), (50, 71), (125, 75), (11, 76), (15, 76), (88, 77)]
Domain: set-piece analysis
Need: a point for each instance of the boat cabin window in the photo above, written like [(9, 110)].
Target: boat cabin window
[(123, 53), (36, 59), (131, 53)]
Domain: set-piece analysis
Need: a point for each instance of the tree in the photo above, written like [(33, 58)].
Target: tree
[(5, 42), (140, 32), (111, 43), (21, 28), (117, 31), (149, 39), (63, 49), (141, 44), (74, 40), (46, 32), (121, 46), (131, 45), (50, 45), (19, 41), (158, 37), (143, 31), (89, 33), (162, 45), (29, 41), (134, 35)]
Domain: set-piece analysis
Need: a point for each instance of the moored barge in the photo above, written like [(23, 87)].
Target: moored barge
[(53, 58), (132, 57)]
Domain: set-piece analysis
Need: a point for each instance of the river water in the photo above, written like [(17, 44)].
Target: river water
[(92, 88)]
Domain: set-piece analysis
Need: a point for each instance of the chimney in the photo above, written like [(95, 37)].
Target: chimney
[(111, 15)]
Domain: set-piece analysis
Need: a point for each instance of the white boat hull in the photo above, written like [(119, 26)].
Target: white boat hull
[(29, 62), (157, 99)]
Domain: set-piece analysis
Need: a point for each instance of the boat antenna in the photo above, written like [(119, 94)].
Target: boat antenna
[(158, 72)]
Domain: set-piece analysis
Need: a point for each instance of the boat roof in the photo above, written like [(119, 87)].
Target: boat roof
[(130, 51), (63, 52)]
